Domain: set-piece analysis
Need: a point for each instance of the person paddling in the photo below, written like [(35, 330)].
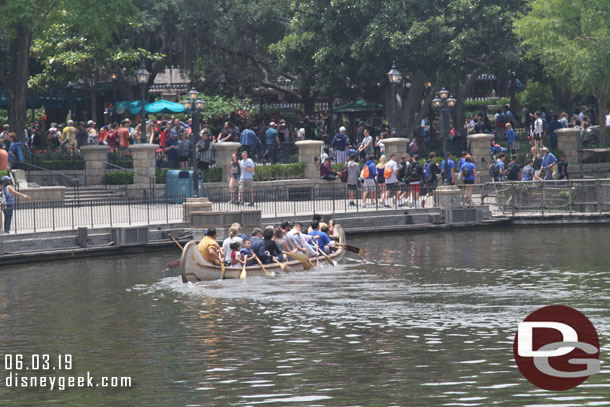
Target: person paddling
[(209, 248)]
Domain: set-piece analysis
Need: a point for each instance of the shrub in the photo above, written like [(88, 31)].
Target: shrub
[(279, 171), (118, 178)]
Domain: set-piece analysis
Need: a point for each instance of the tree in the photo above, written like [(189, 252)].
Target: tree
[(570, 38), (23, 21)]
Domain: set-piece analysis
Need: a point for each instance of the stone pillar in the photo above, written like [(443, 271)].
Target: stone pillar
[(480, 151), (95, 157), (447, 196), (309, 156), (395, 145), (222, 156), (567, 141), (144, 163)]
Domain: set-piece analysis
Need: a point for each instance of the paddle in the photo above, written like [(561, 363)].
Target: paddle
[(282, 265), (175, 263), (303, 258), (243, 271), (267, 274), (331, 261), (175, 241), (315, 242), (172, 264), (351, 248), (222, 270)]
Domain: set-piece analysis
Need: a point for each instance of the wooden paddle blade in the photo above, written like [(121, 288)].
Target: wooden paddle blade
[(351, 248), (222, 271), (173, 264), (242, 275)]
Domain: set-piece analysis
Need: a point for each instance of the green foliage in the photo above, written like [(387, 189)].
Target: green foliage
[(118, 178), (279, 171), (570, 38), (538, 95), (475, 106), (219, 107)]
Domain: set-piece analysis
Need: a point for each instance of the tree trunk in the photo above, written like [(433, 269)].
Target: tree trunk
[(17, 79), (461, 93), (411, 105), (563, 97), (602, 105), (94, 100), (309, 103)]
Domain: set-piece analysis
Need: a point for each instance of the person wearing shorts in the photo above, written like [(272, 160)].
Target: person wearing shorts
[(469, 175), (246, 181)]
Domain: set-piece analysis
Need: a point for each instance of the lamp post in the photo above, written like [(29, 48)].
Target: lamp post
[(443, 103), (394, 78), (142, 77), (193, 105), (114, 75)]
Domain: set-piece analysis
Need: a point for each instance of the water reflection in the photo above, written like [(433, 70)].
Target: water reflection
[(423, 319)]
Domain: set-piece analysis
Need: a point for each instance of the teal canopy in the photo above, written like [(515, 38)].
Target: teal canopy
[(359, 106), (164, 106), (160, 106)]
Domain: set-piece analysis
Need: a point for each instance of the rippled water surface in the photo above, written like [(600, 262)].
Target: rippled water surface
[(425, 319)]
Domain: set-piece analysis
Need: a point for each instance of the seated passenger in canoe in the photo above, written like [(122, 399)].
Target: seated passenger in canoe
[(247, 254), (209, 249), (301, 241), (234, 236), (237, 258), (269, 248), (324, 242), (318, 218)]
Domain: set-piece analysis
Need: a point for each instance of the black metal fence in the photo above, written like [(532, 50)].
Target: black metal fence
[(32, 217)]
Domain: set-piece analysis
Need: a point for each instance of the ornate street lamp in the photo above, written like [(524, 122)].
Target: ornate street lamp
[(394, 77), (114, 75), (142, 77), (193, 105), (444, 103)]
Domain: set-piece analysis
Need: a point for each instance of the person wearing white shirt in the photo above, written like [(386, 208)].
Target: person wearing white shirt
[(300, 241), (608, 118), (538, 130)]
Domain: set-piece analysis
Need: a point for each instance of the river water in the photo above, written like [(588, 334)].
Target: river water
[(425, 319)]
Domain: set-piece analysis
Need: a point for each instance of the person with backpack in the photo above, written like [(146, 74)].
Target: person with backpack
[(510, 134), (448, 175), (431, 170), (339, 143), (381, 178), (549, 161), (415, 174), (469, 175), (513, 171), (353, 172), (403, 181), (496, 170), (7, 201), (368, 175), (390, 173)]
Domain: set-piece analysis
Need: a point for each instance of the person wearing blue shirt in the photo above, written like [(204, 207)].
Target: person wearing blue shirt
[(370, 187), (449, 174), (510, 133), (500, 168), (273, 142), (548, 163), (324, 241), (461, 161), (171, 150), (469, 176), (249, 140), (339, 144)]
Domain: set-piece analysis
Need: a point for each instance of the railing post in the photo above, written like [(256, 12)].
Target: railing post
[(110, 207), (166, 210), (72, 205), (91, 206), (34, 210), (570, 204), (277, 196), (542, 196), (333, 199), (129, 210), (53, 212), (514, 195), (148, 209), (598, 190), (313, 198)]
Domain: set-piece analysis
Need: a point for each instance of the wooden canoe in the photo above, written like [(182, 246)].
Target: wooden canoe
[(195, 268)]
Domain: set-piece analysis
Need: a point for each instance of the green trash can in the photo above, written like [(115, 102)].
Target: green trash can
[(179, 185)]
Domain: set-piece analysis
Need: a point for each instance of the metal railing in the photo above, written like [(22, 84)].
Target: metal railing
[(541, 198), (49, 177), (32, 217)]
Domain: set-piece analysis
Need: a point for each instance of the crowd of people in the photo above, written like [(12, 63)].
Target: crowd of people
[(269, 245)]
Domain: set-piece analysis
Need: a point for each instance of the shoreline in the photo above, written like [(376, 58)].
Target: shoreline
[(159, 239)]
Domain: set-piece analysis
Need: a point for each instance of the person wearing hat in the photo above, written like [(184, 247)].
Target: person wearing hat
[(339, 144), (549, 161), (273, 142), (9, 194)]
